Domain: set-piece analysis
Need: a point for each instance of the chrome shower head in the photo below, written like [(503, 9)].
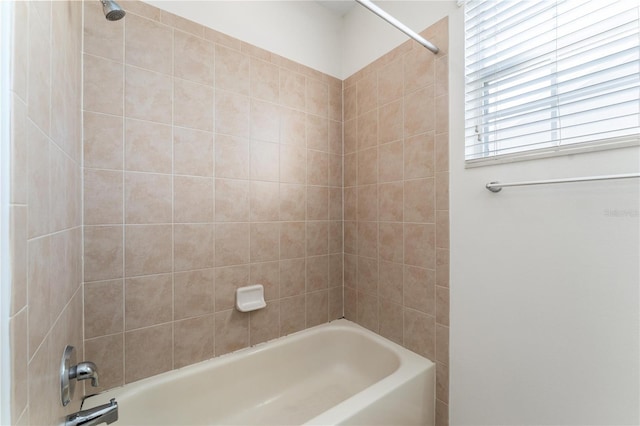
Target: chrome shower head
[(112, 10)]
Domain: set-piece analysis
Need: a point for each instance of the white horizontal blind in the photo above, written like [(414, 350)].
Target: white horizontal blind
[(545, 74)]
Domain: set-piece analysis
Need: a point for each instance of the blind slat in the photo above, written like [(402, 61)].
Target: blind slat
[(548, 73)]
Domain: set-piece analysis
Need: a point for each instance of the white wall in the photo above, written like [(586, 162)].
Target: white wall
[(367, 37), (302, 31), (544, 286)]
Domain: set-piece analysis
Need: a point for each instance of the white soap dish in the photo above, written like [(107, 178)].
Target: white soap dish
[(250, 298)]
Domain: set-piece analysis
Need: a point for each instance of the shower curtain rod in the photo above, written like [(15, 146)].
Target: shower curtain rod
[(497, 186), (399, 25)]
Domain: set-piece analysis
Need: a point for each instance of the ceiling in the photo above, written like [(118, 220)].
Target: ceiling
[(338, 7)]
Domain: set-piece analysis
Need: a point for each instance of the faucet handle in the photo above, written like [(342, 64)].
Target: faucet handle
[(85, 370), (69, 371)]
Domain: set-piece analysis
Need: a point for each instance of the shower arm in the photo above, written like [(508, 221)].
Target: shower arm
[(399, 25)]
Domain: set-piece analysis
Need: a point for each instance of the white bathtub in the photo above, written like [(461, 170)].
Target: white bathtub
[(333, 374)]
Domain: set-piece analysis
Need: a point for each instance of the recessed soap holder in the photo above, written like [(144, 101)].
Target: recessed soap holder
[(250, 298)]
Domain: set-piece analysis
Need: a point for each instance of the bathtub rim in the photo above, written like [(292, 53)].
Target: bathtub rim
[(410, 366)]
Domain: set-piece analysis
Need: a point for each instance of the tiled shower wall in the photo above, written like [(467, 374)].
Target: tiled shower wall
[(209, 164), (45, 235), (396, 203)]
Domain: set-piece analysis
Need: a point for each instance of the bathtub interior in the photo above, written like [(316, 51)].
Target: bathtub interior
[(288, 381)]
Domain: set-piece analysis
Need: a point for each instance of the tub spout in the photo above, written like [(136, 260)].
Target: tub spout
[(106, 413)]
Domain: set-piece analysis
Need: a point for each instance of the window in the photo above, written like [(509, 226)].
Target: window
[(547, 76)]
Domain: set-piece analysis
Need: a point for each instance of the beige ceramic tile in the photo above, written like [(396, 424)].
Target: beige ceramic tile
[(419, 156), (38, 181), (390, 166), (138, 344), (350, 304), (350, 203), (419, 200), (335, 203), (265, 323), (192, 199), (231, 157), (367, 309), (19, 151), (232, 244), (19, 359), (419, 289), (265, 80), (442, 382), (336, 271), (442, 114), (292, 240), (419, 110), (227, 280), (264, 199), (293, 127), (390, 282), (193, 340), (97, 29), (367, 281), (317, 93), (442, 229), (317, 202), (292, 277), (293, 161), (390, 320), (265, 163), (18, 257), (192, 152), (442, 267), (192, 105), (148, 95), (335, 100), (367, 202), (147, 147), (419, 332), (64, 175), (442, 152), (181, 23), (317, 168), (442, 191), (231, 200), (368, 166), (292, 90), (103, 191), (390, 239), (351, 169), (442, 305), (108, 353), (141, 9), (292, 314), (351, 237), (147, 249), (419, 245), (317, 235), (419, 69), (103, 304), (232, 114), (335, 137), (233, 70), (350, 137), (349, 103), (147, 198), (390, 119), (317, 306), (148, 44), (103, 252), (367, 93), (367, 130), (148, 301), (390, 83), (317, 273), (442, 344), (265, 241), (193, 246), (193, 58), (265, 121), (231, 331), (38, 71), (317, 133), (368, 239), (103, 141), (193, 293), (267, 274)]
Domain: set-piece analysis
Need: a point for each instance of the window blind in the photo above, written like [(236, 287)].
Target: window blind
[(547, 74)]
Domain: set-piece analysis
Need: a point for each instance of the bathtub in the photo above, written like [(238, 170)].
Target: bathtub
[(333, 374)]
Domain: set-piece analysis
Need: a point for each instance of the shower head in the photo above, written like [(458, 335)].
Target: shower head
[(112, 10)]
